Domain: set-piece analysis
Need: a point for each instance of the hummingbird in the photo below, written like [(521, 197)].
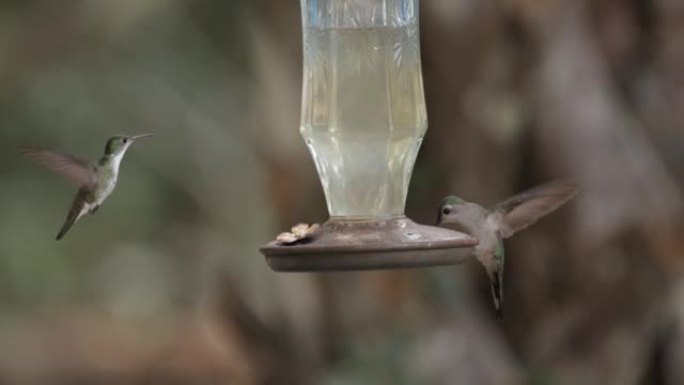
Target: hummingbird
[(501, 221), (95, 181)]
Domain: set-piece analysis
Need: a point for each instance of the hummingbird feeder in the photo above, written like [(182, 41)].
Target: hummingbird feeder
[(363, 120)]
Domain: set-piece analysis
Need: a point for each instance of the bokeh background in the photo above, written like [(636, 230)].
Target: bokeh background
[(165, 285)]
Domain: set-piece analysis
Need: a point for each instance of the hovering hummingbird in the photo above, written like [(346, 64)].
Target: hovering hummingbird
[(96, 181), (501, 221)]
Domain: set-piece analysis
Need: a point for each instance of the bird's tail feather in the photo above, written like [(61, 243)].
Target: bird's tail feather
[(67, 225), (73, 216), (497, 292)]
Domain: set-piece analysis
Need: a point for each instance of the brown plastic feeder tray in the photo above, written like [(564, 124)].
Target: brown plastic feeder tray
[(371, 245)]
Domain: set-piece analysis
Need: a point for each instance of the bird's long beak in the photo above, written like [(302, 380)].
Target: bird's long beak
[(141, 136)]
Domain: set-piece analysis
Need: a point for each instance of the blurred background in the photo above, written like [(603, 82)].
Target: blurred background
[(165, 285)]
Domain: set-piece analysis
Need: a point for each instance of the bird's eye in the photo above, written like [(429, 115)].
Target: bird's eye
[(446, 211), (125, 140)]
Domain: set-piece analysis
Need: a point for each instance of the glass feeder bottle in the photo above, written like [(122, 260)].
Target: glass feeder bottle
[(363, 107), (363, 120)]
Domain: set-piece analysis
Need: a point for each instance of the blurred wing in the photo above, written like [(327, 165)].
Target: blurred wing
[(522, 210), (77, 170)]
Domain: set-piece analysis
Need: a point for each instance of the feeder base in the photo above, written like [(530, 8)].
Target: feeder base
[(371, 245)]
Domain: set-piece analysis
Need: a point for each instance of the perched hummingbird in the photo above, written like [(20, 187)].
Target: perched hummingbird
[(96, 181), (503, 220)]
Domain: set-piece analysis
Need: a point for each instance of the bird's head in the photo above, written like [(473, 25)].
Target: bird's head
[(118, 145), (449, 209), (460, 214)]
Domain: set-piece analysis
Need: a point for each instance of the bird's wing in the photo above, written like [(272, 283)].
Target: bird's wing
[(522, 210), (79, 171)]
